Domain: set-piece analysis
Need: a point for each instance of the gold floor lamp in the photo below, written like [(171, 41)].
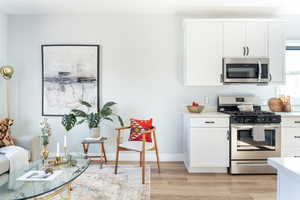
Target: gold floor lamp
[(6, 72)]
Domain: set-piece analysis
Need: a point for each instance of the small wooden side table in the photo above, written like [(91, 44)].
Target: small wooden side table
[(102, 155)]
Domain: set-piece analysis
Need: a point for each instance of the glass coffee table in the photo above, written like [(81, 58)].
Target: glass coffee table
[(43, 190)]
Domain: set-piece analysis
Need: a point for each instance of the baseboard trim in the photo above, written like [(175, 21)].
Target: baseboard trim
[(204, 170), (150, 156)]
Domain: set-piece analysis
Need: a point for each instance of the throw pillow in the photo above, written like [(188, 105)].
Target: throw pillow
[(139, 126), (5, 138)]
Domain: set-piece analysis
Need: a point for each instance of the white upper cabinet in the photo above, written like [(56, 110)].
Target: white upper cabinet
[(245, 39), (208, 41), (203, 52), (277, 51), (234, 39), (257, 39)]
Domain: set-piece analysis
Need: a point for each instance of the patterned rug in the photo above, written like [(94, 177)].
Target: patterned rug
[(103, 184)]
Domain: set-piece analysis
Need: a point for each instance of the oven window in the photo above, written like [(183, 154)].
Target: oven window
[(256, 140), (242, 71)]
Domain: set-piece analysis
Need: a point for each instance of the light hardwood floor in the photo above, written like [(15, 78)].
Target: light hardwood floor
[(174, 183)]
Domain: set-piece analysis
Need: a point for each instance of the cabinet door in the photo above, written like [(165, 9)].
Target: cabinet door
[(234, 39), (209, 147), (277, 51), (290, 141), (203, 42), (257, 39)]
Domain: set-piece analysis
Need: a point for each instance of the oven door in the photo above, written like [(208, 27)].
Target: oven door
[(246, 70), (255, 142)]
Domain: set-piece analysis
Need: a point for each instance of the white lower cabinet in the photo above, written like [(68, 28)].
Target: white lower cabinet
[(290, 142), (290, 137), (206, 145)]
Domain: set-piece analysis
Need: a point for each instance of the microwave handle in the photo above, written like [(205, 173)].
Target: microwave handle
[(259, 70), (270, 77)]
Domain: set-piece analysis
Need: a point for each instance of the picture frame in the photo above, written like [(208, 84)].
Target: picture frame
[(70, 73)]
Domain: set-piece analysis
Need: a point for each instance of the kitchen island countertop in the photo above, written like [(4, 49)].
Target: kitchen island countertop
[(288, 170)]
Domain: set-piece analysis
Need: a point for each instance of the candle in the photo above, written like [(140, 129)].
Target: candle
[(65, 141), (57, 150)]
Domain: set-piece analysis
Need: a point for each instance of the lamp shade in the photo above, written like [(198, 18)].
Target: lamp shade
[(7, 72)]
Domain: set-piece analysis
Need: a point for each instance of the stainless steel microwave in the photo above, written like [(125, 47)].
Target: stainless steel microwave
[(246, 70)]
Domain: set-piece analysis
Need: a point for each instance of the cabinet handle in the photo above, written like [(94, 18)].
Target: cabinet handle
[(209, 122), (244, 51), (297, 137), (247, 51), (297, 122), (228, 132)]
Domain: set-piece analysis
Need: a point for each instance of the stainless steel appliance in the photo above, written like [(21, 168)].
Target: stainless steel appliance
[(246, 70), (254, 136)]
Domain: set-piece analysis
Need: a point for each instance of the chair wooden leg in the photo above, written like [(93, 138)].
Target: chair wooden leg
[(157, 160), (156, 151), (117, 161), (141, 159), (143, 168)]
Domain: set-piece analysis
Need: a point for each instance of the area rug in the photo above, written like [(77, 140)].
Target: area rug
[(103, 184)]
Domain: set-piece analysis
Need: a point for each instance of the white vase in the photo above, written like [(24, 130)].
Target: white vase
[(95, 132)]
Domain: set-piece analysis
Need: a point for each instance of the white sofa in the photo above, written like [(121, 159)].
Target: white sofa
[(30, 143)]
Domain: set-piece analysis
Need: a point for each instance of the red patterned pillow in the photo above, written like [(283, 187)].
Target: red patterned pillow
[(139, 126), (5, 138)]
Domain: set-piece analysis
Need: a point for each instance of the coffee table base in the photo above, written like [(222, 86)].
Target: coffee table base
[(66, 188)]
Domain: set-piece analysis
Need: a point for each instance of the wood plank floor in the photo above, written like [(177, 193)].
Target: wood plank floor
[(174, 183)]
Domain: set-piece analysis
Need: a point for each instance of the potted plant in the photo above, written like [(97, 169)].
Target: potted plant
[(46, 133), (93, 119), (69, 121)]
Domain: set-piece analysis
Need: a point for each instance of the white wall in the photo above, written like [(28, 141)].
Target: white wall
[(3, 40), (140, 65)]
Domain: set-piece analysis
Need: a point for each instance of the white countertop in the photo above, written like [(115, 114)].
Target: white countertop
[(206, 114), (289, 164), (289, 114), (209, 113)]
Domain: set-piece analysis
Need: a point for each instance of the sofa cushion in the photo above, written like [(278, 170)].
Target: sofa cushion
[(5, 138), (4, 164), (3, 179)]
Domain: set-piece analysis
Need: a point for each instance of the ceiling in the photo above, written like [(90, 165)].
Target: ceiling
[(149, 6)]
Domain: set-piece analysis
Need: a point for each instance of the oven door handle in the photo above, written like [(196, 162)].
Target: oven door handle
[(246, 127)]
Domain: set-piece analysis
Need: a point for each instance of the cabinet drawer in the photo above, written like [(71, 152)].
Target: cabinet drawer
[(209, 122), (290, 122), (290, 152), (291, 139)]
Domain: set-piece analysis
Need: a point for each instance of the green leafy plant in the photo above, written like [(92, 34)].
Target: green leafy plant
[(69, 121), (46, 131), (94, 119)]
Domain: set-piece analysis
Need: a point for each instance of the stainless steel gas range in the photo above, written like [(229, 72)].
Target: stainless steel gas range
[(254, 135)]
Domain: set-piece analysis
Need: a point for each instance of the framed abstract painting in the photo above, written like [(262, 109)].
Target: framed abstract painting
[(70, 73)]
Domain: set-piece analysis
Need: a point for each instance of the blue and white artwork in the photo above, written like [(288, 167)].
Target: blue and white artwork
[(70, 74)]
